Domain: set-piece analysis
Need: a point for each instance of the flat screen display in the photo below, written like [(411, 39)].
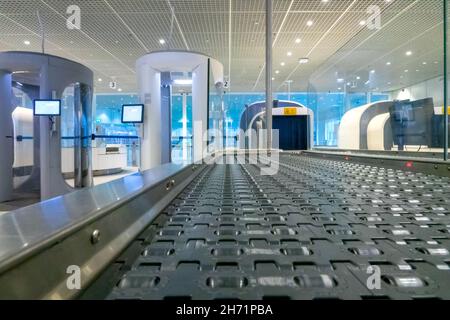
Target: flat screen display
[(133, 113), (47, 107)]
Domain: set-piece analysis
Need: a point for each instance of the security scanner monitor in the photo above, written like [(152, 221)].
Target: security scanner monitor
[(411, 123), (47, 108), (133, 113)]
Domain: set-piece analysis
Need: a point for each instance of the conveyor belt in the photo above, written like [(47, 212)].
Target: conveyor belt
[(309, 232)]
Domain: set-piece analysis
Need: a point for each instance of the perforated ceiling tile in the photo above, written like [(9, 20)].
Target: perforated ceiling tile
[(122, 31)]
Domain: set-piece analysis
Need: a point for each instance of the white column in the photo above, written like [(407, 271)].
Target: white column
[(184, 131), (150, 91), (6, 139)]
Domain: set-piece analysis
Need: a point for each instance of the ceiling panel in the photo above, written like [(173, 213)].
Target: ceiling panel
[(114, 33)]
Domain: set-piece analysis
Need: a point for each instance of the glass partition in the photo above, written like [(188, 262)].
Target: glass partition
[(383, 91), (68, 132), (114, 139), (23, 124)]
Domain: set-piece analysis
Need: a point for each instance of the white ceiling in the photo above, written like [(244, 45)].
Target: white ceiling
[(115, 33)]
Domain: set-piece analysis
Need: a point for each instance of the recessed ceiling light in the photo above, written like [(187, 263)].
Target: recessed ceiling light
[(309, 23), (273, 79), (277, 72), (362, 23), (358, 78), (298, 40), (409, 53), (282, 64), (424, 63), (162, 41), (406, 70), (388, 63), (27, 42), (120, 89), (100, 79), (340, 80), (289, 54), (372, 71)]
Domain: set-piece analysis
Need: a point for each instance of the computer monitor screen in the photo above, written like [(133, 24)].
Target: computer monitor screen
[(411, 122), (133, 113), (47, 107)]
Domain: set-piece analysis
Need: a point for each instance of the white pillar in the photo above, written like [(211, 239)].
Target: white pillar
[(150, 90), (6, 139)]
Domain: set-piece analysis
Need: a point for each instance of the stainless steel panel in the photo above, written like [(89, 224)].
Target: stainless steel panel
[(39, 243)]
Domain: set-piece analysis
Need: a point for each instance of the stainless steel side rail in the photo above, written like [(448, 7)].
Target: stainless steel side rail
[(43, 248)]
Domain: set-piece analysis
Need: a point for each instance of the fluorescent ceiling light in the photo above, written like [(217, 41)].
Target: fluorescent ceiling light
[(183, 82), (303, 60)]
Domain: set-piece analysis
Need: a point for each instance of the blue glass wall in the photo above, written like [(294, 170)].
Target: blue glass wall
[(328, 108)]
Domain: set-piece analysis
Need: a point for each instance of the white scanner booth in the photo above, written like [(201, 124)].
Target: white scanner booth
[(154, 89)]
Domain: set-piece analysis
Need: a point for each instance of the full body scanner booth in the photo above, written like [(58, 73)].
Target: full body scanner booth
[(154, 78), (38, 139), (294, 122)]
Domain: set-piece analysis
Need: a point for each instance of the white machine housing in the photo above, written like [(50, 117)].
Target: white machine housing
[(149, 69)]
